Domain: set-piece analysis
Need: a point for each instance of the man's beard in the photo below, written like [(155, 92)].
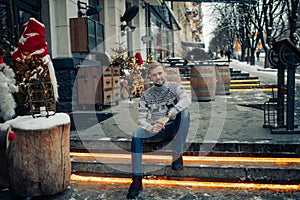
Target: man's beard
[(159, 85)]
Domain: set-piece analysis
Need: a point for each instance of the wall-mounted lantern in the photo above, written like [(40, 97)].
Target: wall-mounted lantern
[(90, 10), (129, 14)]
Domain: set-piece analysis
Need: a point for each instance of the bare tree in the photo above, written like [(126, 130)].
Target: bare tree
[(264, 22), (225, 32)]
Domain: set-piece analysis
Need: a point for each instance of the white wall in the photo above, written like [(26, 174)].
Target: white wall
[(113, 11), (140, 31), (60, 12)]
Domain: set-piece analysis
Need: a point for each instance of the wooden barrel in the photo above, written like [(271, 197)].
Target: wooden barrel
[(3, 164), (223, 79), (203, 81), (173, 74), (38, 159)]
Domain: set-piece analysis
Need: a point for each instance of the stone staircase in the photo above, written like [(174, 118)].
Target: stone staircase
[(230, 162), (240, 81), (213, 162)]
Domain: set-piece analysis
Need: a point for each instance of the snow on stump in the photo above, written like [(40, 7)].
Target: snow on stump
[(38, 159)]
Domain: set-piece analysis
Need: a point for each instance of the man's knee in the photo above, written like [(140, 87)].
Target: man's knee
[(185, 116), (139, 133)]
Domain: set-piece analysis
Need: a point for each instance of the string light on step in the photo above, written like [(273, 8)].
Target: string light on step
[(186, 183)]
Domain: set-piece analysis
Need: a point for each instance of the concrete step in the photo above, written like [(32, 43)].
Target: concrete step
[(239, 75), (242, 86), (201, 168), (245, 81), (244, 78), (234, 148), (234, 83), (235, 73), (186, 84)]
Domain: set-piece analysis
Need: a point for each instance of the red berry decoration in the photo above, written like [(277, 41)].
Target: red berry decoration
[(11, 135)]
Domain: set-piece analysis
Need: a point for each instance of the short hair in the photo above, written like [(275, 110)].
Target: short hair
[(153, 65)]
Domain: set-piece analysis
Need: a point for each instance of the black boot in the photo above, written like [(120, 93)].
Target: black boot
[(177, 163), (135, 187)]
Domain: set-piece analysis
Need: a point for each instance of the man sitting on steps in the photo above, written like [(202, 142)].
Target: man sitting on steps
[(163, 116)]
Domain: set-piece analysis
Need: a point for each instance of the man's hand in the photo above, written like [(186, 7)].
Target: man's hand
[(160, 124), (156, 128)]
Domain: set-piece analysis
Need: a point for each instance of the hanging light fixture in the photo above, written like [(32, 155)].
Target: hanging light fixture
[(129, 14), (90, 10)]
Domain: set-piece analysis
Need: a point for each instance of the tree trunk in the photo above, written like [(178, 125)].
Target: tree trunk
[(267, 62), (243, 52), (3, 163), (38, 159), (252, 57)]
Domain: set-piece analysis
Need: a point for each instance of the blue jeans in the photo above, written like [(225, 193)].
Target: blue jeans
[(175, 131)]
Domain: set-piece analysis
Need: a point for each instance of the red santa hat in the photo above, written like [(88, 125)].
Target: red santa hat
[(32, 41)]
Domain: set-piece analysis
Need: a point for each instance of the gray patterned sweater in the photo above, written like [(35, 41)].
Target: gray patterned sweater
[(156, 102)]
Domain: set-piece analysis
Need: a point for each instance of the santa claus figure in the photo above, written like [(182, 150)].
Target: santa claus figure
[(32, 64), (7, 88)]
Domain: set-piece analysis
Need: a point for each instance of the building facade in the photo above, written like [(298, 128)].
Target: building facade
[(156, 27)]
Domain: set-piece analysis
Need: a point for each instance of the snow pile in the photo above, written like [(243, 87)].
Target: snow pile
[(41, 123)]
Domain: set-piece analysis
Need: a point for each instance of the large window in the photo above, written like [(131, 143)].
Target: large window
[(23, 16), (99, 28), (96, 36), (161, 46)]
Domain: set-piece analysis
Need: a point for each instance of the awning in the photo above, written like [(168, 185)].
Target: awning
[(175, 23), (193, 44), (167, 16)]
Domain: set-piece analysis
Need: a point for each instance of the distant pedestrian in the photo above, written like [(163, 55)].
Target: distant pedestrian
[(222, 53), (228, 54), (163, 116), (210, 53), (257, 54)]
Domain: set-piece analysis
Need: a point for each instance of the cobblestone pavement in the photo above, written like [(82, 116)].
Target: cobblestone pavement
[(90, 191)]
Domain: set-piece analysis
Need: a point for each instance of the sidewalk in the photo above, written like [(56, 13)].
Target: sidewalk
[(93, 191), (235, 117)]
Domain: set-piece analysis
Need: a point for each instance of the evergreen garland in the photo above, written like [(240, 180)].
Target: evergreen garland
[(7, 40)]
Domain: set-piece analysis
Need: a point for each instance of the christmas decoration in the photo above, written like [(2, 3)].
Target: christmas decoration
[(32, 41), (6, 41), (134, 72), (139, 58), (11, 135), (7, 88), (149, 58), (119, 57), (7, 76), (136, 81), (32, 65)]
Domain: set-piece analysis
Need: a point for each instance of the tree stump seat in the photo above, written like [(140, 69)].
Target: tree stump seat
[(38, 159)]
